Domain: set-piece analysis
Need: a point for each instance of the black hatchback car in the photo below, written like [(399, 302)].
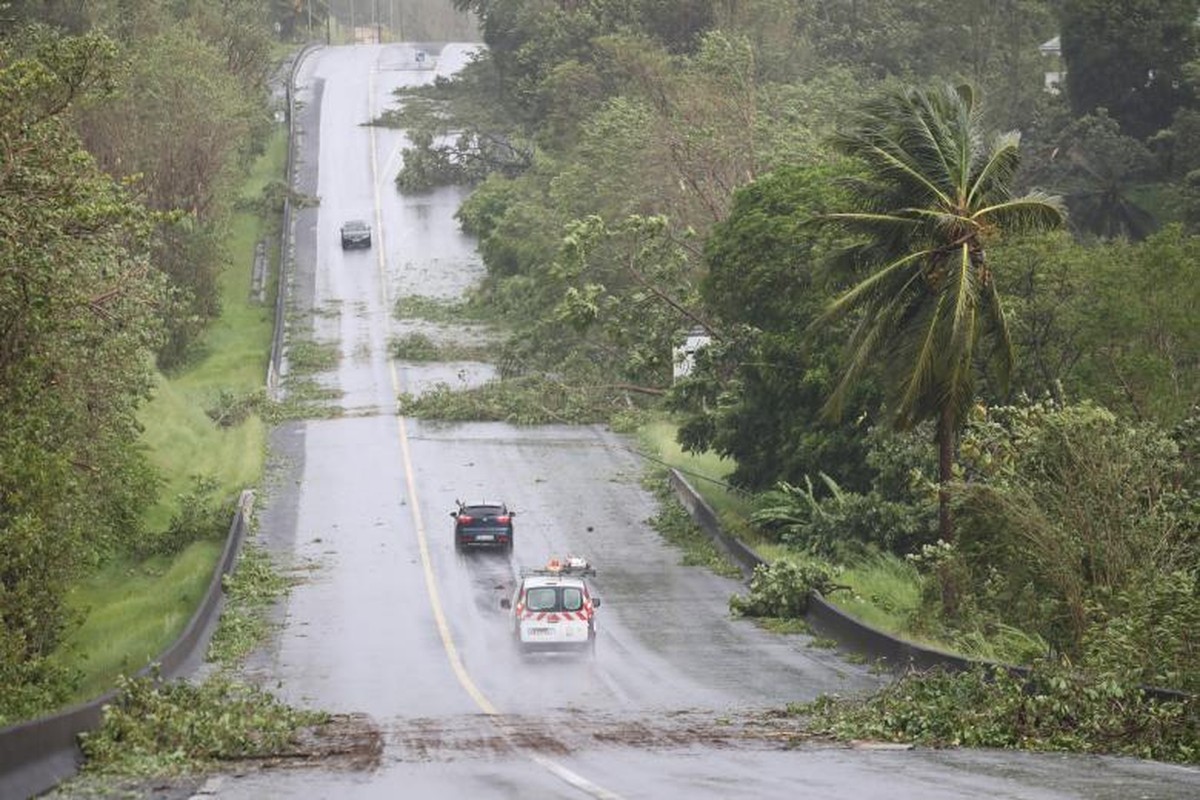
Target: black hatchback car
[(484, 524), (356, 233)]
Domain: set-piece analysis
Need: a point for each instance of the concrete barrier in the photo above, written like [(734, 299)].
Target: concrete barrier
[(704, 516), (275, 359)]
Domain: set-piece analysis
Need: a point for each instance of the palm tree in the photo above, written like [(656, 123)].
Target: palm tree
[(932, 191)]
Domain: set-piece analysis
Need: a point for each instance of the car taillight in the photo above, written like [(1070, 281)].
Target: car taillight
[(465, 519), (503, 520)]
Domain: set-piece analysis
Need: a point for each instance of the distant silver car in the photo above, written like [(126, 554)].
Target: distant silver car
[(356, 233)]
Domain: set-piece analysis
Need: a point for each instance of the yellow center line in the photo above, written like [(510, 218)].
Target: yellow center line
[(435, 601)]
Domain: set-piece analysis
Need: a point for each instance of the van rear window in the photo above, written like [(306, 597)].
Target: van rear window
[(554, 598)]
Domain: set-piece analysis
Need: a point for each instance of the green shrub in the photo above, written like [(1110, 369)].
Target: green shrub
[(201, 515), (1066, 509), (31, 685), (1150, 632), (1056, 707), (781, 589), (155, 728), (844, 524), (232, 408)]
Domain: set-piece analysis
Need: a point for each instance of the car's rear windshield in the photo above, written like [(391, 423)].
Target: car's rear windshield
[(483, 511), (554, 598)]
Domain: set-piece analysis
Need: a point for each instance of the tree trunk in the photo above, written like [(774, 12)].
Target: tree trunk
[(951, 588), (945, 438)]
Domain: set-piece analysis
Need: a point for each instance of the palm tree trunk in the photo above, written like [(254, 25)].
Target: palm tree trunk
[(951, 588), (945, 437)]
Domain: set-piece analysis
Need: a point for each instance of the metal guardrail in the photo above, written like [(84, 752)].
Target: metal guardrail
[(39, 754)]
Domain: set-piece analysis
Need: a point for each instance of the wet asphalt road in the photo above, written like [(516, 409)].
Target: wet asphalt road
[(387, 621)]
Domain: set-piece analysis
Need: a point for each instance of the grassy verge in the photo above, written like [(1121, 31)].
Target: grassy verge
[(131, 612), (885, 592), (705, 471)]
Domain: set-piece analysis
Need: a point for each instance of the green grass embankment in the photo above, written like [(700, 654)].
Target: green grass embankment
[(131, 611)]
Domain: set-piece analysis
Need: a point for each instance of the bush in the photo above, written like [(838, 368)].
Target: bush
[(844, 524), (155, 728), (201, 515), (1150, 632), (1064, 511), (1055, 707), (32, 686), (781, 590), (230, 409)]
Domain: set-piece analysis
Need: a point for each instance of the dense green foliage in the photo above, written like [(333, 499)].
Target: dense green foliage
[(836, 524), (1113, 323), (196, 725), (1052, 708), (1131, 58), (112, 204), (646, 169), (1071, 514), (78, 302), (1098, 169), (185, 155), (757, 392), (631, 187)]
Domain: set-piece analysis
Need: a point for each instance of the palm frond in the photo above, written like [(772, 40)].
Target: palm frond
[(870, 286), (965, 301), (998, 171), (887, 159), (863, 342), (1033, 212), (927, 140), (942, 219), (958, 382), (921, 372), (867, 217)]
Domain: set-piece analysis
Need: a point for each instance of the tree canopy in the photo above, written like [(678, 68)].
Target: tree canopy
[(80, 308), (1128, 56)]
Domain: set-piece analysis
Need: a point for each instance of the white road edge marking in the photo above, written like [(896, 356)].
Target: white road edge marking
[(435, 603)]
